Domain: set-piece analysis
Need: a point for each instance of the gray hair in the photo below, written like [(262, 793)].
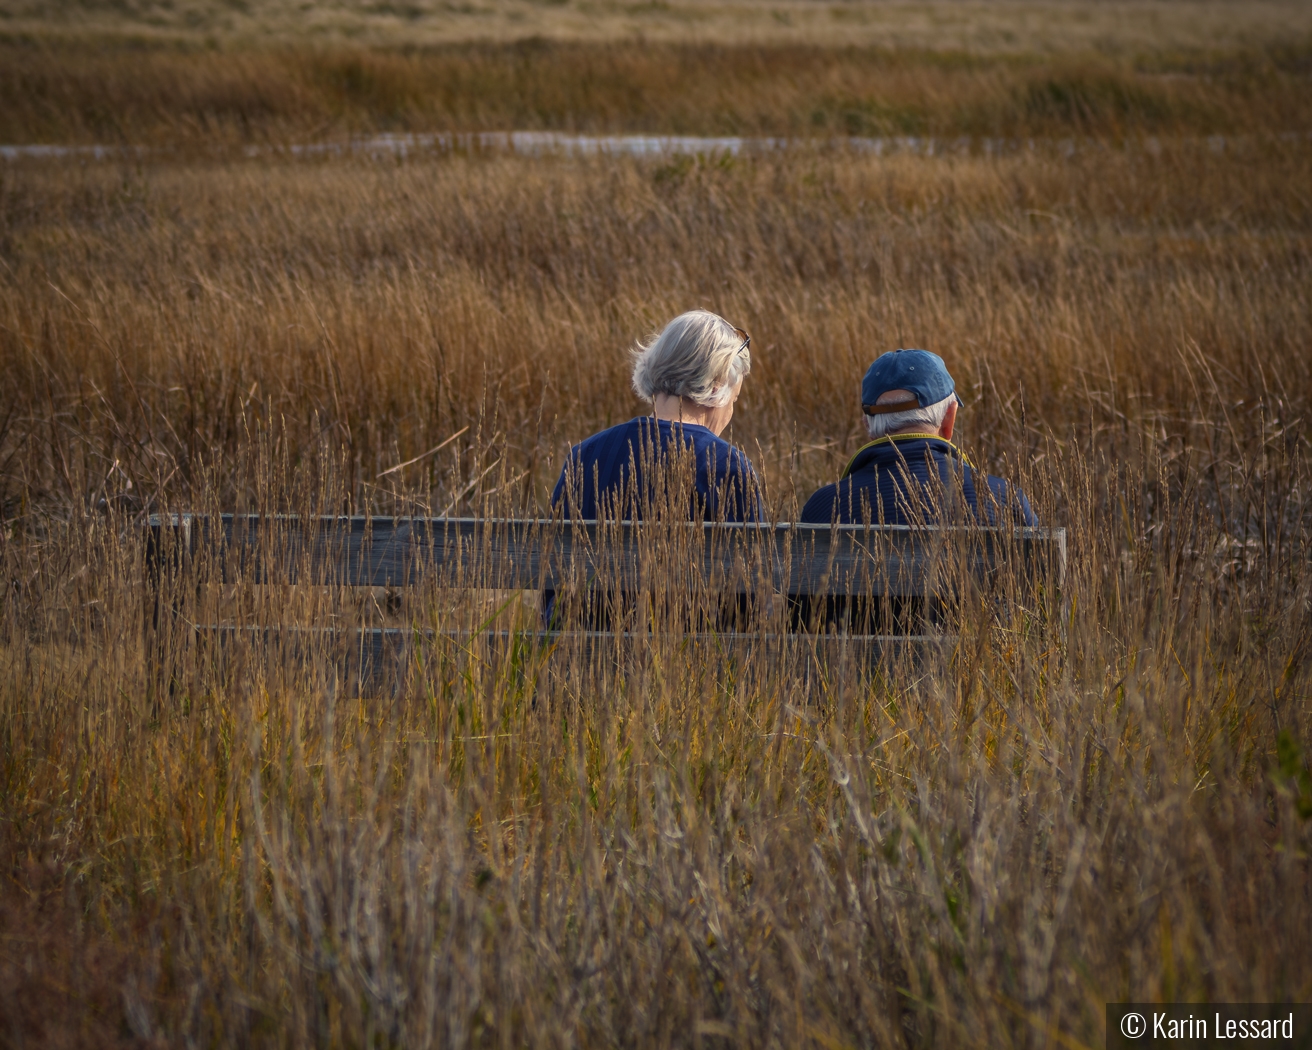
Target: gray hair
[(699, 355), (930, 417)]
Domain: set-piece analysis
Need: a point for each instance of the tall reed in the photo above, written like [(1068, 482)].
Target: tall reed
[(154, 315), (669, 841)]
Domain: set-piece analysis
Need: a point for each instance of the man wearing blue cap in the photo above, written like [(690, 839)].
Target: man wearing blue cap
[(911, 472)]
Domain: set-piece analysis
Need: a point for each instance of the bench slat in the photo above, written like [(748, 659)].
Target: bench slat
[(790, 558), (370, 657)]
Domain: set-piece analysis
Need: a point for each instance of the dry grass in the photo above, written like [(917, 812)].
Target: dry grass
[(205, 99), (153, 312), (1107, 805), (988, 26)]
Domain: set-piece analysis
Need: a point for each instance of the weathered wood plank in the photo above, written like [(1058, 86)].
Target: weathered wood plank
[(372, 657), (788, 558)]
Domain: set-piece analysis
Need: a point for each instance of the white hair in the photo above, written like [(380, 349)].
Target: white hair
[(929, 418), (699, 355)]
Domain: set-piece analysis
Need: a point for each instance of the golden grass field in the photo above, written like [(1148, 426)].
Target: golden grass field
[(186, 96), (1113, 803)]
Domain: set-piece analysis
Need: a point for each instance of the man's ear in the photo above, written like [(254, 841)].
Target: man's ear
[(949, 421)]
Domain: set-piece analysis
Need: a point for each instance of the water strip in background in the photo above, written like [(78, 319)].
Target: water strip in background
[(541, 143)]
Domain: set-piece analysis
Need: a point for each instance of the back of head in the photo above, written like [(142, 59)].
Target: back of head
[(698, 355), (905, 389), (927, 420)]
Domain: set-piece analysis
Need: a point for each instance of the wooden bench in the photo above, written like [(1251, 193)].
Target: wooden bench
[(878, 589)]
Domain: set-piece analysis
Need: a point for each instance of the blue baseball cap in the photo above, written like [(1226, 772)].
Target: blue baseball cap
[(922, 373)]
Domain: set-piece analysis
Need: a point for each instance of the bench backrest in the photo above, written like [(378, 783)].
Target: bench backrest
[(784, 558)]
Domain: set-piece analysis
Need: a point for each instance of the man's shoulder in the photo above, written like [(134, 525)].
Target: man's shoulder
[(819, 509), (1008, 497)]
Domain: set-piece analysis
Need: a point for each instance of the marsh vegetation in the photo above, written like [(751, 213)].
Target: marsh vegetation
[(1112, 803)]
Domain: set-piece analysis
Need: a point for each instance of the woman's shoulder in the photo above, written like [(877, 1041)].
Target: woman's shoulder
[(738, 461), (618, 433)]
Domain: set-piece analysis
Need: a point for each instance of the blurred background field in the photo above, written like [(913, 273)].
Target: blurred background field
[(209, 73), (183, 94), (1014, 26), (1111, 245)]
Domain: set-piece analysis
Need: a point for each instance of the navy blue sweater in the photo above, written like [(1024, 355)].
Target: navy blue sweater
[(610, 475), (906, 479)]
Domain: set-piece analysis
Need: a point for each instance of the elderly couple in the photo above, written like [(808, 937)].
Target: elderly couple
[(692, 373)]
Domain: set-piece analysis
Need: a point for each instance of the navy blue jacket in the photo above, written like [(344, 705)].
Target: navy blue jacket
[(907, 479), (609, 475)]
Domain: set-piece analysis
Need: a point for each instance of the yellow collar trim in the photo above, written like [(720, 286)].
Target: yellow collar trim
[(889, 439)]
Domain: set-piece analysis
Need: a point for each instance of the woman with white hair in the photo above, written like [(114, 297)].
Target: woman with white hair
[(692, 373)]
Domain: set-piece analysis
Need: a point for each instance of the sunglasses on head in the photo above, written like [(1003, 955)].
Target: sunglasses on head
[(747, 339)]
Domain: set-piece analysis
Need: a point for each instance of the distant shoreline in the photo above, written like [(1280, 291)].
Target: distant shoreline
[(546, 143)]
